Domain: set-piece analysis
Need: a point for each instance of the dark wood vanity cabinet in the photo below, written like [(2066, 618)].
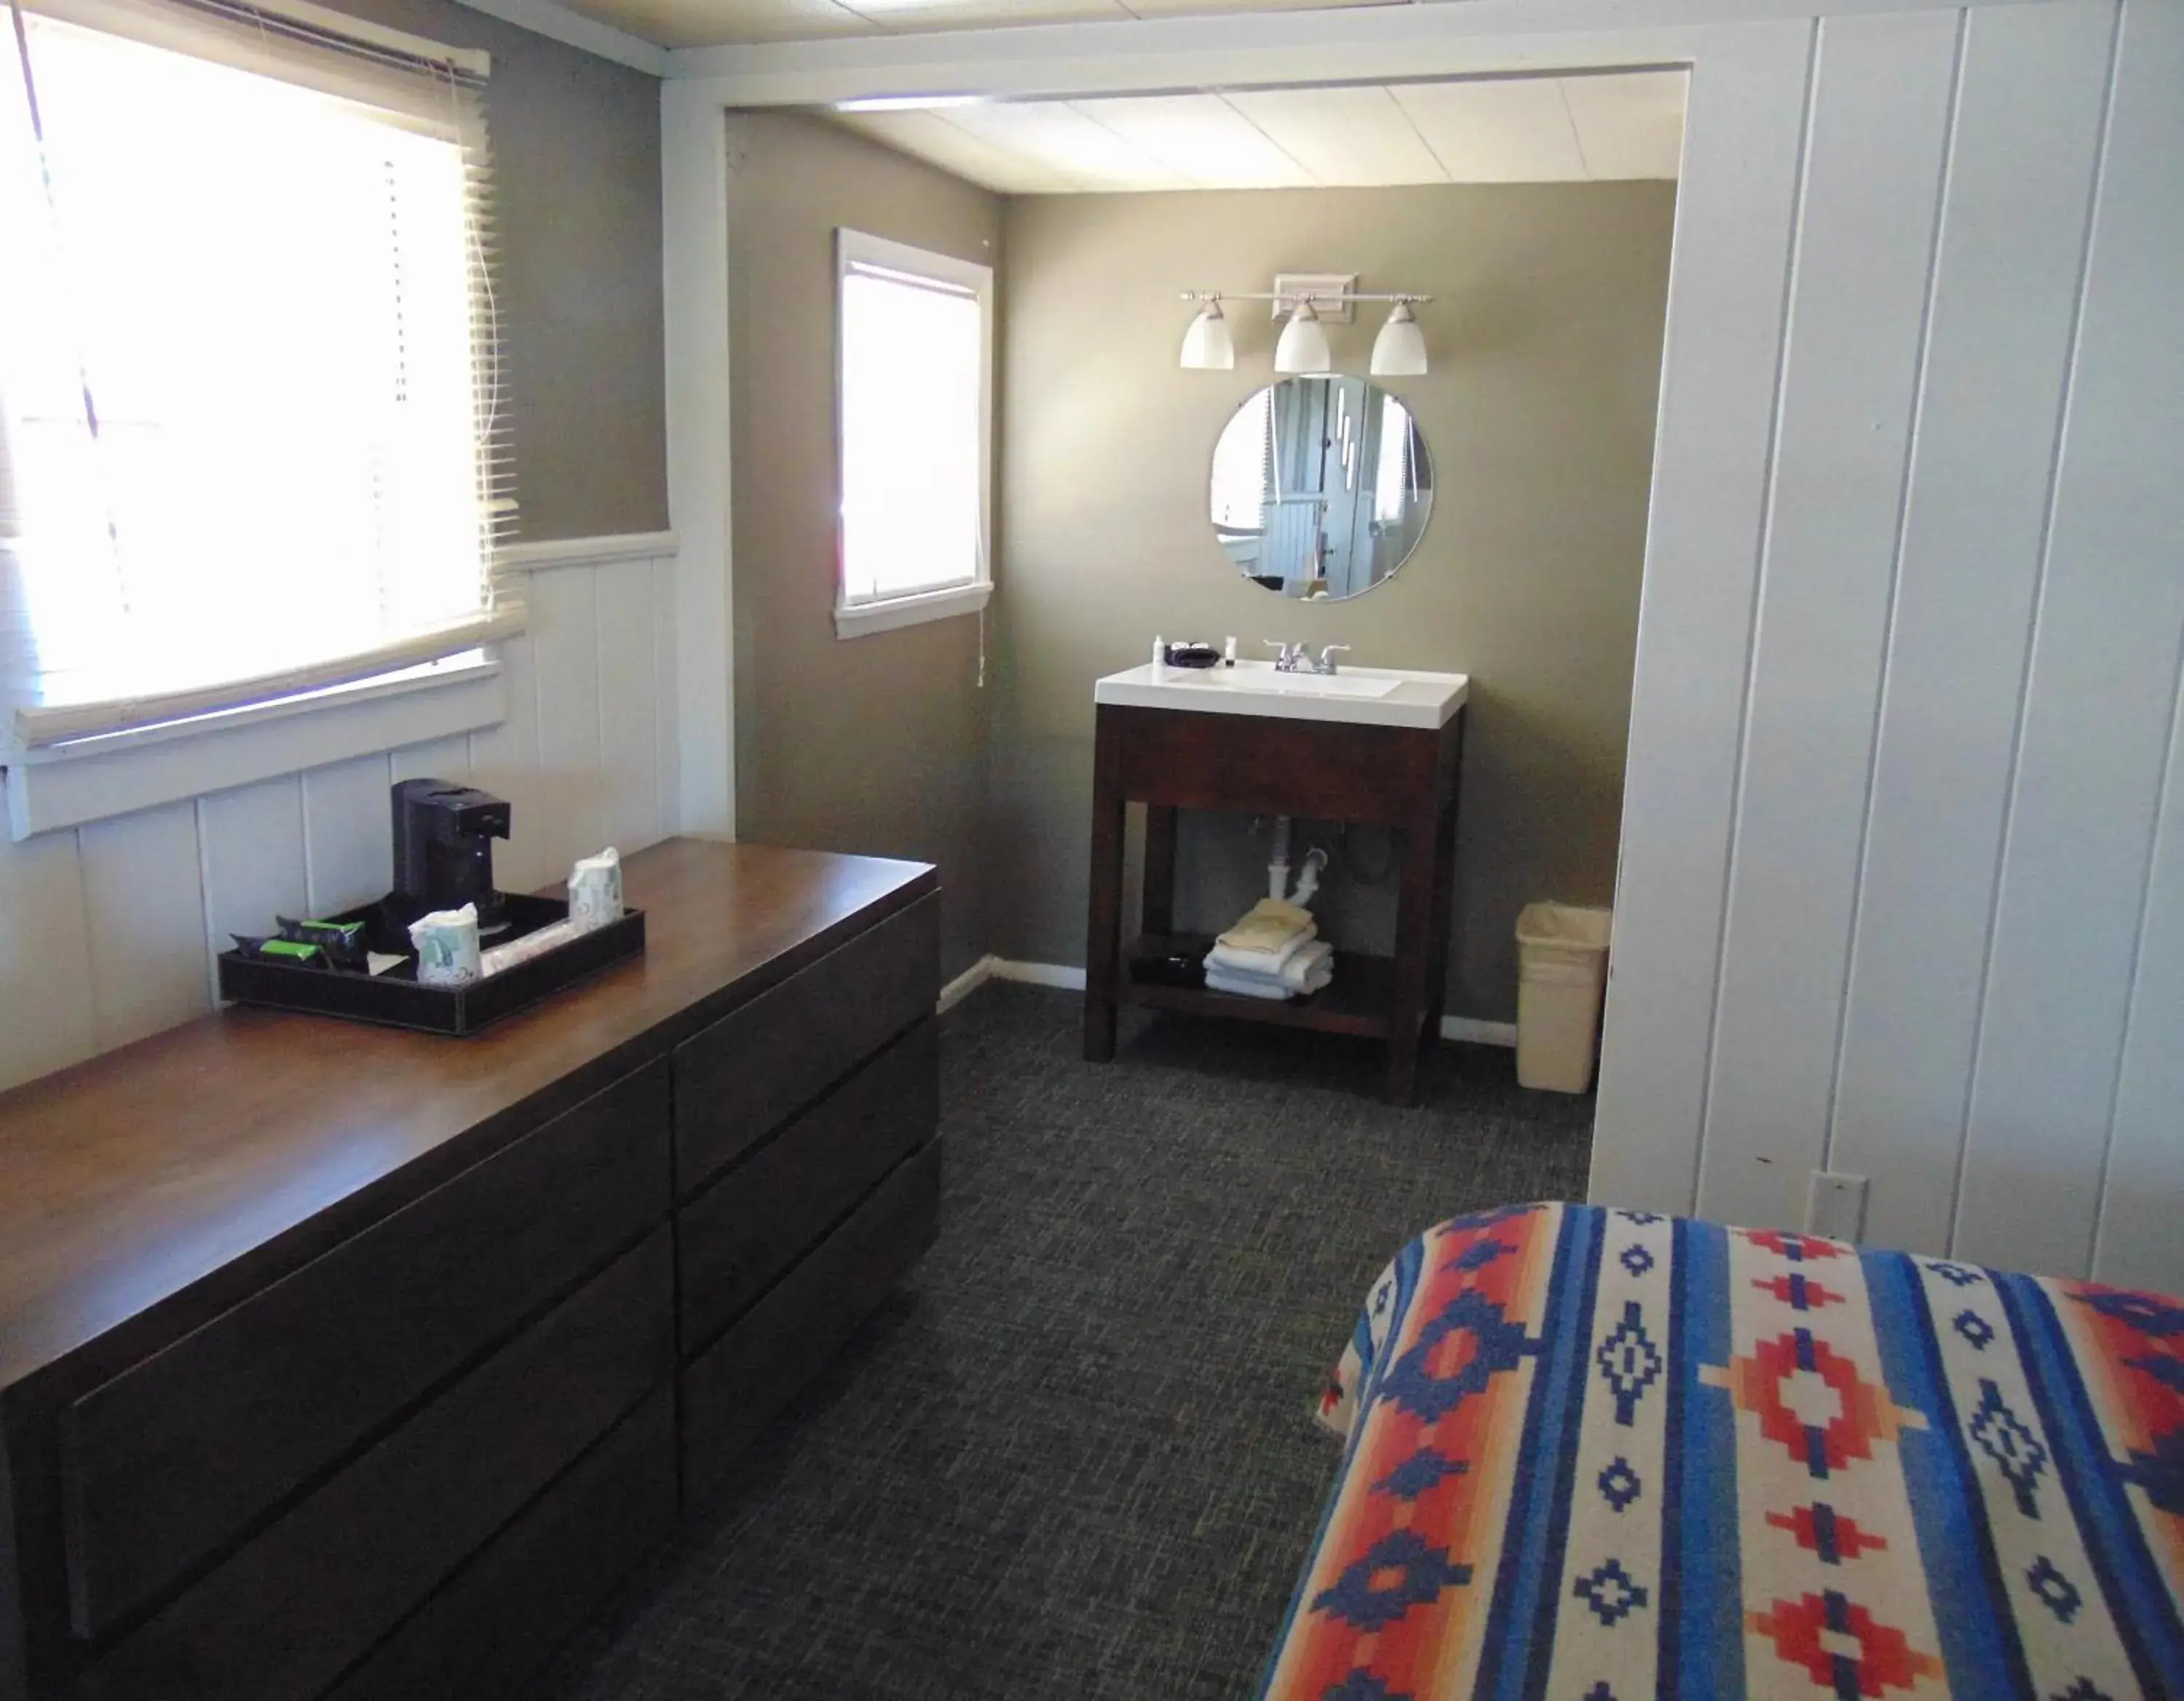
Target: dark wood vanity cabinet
[(337, 1361)]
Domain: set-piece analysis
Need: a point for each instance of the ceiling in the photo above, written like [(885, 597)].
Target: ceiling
[(1530, 130), (714, 23)]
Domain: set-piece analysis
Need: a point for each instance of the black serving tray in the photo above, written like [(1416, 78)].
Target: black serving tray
[(396, 1000)]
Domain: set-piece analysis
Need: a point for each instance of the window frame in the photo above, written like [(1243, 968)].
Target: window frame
[(859, 619), (263, 730)]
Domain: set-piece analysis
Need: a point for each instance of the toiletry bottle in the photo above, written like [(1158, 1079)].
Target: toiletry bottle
[(1160, 659), (1229, 652)]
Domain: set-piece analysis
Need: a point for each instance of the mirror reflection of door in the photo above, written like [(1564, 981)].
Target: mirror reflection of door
[(1320, 487)]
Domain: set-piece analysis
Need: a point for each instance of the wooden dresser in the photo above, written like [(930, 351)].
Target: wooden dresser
[(339, 1361)]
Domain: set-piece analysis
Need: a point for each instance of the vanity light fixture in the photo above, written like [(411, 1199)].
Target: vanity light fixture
[(1207, 347), (1398, 352), (1303, 346)]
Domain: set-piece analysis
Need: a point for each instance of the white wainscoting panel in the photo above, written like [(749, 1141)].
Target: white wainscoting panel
[(2130, 380), (1864, 267), (1952, 952), (107, 930)]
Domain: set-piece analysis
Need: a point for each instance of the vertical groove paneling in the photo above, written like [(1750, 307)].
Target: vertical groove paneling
[(250, 849), (146, 913), (504, 760), (564, 651), (1874, 163), (1744, 135), (667, 743), (106, 932), (628, 741), (2005, 296), (43, 986), (348, 833), (2097, 861), (448, 758)]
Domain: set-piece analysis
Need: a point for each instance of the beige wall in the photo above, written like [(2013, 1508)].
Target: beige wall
[(575, 145), (1546, 343), (877, 744)]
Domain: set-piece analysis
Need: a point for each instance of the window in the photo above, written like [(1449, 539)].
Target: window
[(915, 414), (248, 442)]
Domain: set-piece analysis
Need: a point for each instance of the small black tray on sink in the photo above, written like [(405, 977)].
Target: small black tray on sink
[(396, 1000)]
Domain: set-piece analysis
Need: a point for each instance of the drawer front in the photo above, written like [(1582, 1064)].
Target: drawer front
[(485, 1634), (749, 1225), (740, 1078), (283, 1616), (732, 1391), (173, 1457)]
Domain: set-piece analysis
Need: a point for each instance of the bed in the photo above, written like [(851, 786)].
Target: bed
[(1596, 1455)]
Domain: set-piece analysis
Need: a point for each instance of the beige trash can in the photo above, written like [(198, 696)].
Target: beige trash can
[(1562, 975)]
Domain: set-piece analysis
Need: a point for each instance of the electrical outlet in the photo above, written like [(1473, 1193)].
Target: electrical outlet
[(1836, 1205)]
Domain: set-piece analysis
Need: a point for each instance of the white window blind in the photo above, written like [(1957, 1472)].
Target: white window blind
[(914, 402), (248, 439)]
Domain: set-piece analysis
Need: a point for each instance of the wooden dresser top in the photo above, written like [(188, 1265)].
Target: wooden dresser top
[(151, 1186)]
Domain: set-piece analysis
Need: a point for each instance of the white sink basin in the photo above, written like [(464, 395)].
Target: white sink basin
[(1356, 696)]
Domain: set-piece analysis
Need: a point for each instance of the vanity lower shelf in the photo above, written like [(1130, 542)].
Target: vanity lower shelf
[(1358, 1000)]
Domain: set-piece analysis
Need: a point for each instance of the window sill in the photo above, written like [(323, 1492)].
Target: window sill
[(89, 779), (863, 619)]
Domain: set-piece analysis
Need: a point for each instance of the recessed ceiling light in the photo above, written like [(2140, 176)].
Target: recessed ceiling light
[(905, 102)]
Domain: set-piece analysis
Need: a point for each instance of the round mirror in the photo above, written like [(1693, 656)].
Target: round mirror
[(1320, 487)]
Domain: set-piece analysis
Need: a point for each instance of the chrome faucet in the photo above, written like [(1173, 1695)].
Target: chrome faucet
[(1294, 658)]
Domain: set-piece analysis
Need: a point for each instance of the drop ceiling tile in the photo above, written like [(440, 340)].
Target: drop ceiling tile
[(1201, 138), (1172, 8), (1055, 136), (710, 23), (1344, 138), (893, 15), (1514, 130), (931, 137), (1629, 125)]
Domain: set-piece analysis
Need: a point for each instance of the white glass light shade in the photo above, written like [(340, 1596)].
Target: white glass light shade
[(1399, 350), (1303, 345), (1207, 346)]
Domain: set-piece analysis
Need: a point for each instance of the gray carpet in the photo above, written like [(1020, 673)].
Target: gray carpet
[(1072, 1457)]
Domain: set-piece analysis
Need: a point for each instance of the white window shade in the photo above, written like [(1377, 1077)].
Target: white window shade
[(248, 442), (915, 400)]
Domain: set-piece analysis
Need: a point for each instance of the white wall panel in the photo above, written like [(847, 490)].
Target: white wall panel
[(628, 739), (250, 855), (107, 930), (2076, 923), (45, 983), (348, 832), (565, 649), (1873, 175), (2005, 301), (1726, 286), (143, 903)]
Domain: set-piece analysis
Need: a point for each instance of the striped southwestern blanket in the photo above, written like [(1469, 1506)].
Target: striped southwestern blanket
[(1597, 1455)]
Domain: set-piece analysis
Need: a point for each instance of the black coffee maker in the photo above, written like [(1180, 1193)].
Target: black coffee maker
[(444, 837)]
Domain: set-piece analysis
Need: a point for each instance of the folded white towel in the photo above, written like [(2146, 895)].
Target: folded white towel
[(1247, 986), (1307, 970), (1227, 957), (1268, 926)]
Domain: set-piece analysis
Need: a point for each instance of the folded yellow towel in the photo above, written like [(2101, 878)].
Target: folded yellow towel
[(1268, 926)]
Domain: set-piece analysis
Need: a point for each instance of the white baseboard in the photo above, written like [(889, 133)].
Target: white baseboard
[(1466, 1029), (1473, 1032), (1060, 974), (964, 984)]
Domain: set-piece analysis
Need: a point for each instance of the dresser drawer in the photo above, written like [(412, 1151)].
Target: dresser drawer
[(740, 1078), (732, 1390), (282, 1617), (484, 1637), (749, 1225), (171, 1459)]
